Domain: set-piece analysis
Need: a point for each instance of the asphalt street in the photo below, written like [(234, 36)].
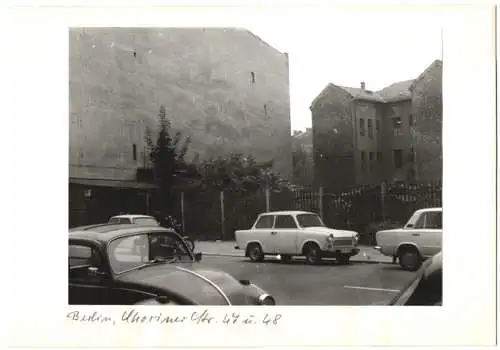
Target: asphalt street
[(295, 283)]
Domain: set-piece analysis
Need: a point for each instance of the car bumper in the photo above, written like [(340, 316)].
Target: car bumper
[(334, 253)]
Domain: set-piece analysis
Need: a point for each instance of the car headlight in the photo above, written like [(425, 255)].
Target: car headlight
[(330, 238), (266, 299)]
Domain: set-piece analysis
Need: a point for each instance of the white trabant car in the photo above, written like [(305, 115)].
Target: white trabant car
[(296, 233), (419, 239)]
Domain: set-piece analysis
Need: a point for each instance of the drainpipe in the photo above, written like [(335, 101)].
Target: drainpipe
[(355, 138)]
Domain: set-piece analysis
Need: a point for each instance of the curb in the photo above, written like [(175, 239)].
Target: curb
[(242, 256)]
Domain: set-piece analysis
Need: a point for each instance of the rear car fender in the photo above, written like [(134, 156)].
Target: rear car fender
[(406, 244), (254, 241)]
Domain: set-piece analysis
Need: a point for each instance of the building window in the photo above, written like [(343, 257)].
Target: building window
[(362, 127), (379, 157), (371, 158), (363, 165), (398, 158), (253, 77), (265, 110), (410, 120), (370, 127), (134, 151), (396, 126), (377, 125)]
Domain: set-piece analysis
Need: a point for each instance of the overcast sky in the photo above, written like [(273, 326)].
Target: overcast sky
[(345, 46)]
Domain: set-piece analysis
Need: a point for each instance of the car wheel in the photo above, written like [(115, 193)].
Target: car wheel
[(255, 252), (410, 259), (343, 259), (312, 253)]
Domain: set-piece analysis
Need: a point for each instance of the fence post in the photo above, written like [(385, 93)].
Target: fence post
[(382, 198), (321, 202), (182, 213), (223, 219), (267, 200)]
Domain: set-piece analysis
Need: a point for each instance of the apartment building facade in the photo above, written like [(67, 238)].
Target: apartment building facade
[(362, 137), (225, 88)]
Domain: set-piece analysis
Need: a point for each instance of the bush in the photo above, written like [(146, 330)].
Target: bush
[(368, 236)]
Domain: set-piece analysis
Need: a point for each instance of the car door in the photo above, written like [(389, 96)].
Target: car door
[(432, 232), (426, 233), (284, 235), (89, 278), (262, 233)]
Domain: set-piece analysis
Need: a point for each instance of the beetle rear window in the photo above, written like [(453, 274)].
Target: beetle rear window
[(81, 255)]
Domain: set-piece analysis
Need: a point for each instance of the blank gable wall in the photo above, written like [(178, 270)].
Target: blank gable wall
[(119, 78)]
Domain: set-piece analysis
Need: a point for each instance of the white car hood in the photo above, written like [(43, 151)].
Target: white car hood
[(327, 231)]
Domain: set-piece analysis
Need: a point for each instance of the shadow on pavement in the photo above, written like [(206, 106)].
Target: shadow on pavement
[(323, 262)]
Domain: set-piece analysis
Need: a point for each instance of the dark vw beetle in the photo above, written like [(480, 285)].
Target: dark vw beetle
[(426, 288), (124, 265)]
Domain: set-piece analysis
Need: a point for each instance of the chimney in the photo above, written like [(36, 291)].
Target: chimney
[(363, 85)]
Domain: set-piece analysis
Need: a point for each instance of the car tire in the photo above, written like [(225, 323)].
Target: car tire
[(312, 253), (254, 252), (410, 259), (343, 259)]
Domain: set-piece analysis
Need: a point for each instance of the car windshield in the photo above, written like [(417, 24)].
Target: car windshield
[(131, 252), (309, 220), (146, 221)]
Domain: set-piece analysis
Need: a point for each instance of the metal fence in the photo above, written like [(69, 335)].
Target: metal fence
[(215, 215)]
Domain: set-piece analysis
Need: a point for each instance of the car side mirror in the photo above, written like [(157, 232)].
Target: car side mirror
[(197, 256)]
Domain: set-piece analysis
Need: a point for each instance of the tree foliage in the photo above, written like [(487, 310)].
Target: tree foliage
[(302, 167), (239, 172), (166, 155)]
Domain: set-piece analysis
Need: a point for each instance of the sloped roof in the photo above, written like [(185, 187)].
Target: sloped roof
[(436, 63), (361, 94), (397, 91)]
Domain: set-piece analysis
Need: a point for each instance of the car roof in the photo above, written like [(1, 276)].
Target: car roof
[(104, 233), (289, 212), (132, 216)]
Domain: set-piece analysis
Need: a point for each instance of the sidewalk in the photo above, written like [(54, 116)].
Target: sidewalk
[(218, 248)]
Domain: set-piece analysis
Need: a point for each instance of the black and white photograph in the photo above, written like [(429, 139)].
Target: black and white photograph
[(190, 182), (247, 157)]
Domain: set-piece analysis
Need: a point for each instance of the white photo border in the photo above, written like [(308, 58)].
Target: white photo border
[(34, 139)]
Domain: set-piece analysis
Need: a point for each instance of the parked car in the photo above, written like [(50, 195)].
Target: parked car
[(296, 233), (134, 219), (106, 269), (418, 240), (145, 220), (426, 289)]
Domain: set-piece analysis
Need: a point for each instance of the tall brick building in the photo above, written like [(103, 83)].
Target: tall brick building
[(225, 88), (366, 137)]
